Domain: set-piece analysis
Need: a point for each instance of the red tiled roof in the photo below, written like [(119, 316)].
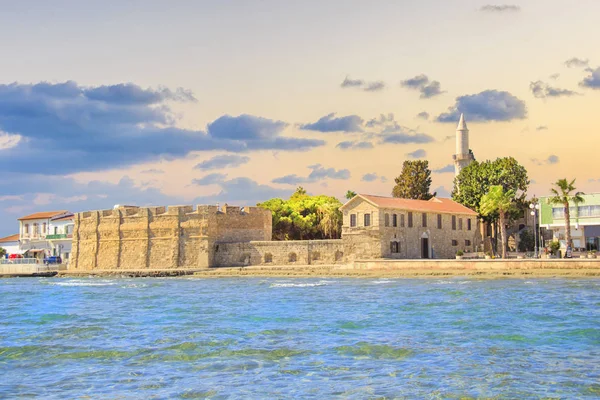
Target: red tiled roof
[(11, 238), (438, 205), (43, 215), (63, 218)]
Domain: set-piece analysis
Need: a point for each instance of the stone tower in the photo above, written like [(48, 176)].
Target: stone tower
[(463, 156)]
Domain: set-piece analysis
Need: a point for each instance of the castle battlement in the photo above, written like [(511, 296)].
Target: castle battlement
[(130, 237)]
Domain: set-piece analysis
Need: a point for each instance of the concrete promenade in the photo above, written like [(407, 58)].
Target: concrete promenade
[(384, 268)]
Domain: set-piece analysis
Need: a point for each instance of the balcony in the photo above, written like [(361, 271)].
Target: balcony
[(56, 236)]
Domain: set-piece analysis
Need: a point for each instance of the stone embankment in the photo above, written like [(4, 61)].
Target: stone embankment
[(384, 268)]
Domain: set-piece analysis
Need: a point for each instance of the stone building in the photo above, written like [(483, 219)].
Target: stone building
[(129, 237), (384, 227), (184, 237)]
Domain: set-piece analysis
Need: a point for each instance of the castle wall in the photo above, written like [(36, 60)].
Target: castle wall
[(160, 237), (292, 252)]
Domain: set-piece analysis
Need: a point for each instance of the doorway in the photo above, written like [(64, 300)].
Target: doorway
[(424, 247)]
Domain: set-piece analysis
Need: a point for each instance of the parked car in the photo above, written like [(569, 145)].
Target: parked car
[(52, 260), (13, 256)]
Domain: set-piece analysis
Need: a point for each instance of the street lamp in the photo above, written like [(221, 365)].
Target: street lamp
[(535, 206)]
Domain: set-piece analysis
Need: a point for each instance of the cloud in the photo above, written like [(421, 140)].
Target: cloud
[(541, 128), (542, 90), (103, 127), (354, 145), (423, 115), (421, 82), (131, 94), (552, 159), (504, 8), (8, 141), (444, 170), (329, 123), (369, 177), (10, 197), (419, 153), (223, 161), (489, 105), (374, 86), (210, 179), (554, 76), (317, 173), (352, 82), (593, 80), (405, 138), (577, 63), (153, 171)]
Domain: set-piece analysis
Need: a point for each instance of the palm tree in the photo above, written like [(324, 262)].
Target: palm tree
[(2, 252), (350, 194), (330, 220), (562, 194), (496, 200)]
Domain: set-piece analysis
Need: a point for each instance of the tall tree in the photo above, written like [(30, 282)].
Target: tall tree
[(350, 194), (2, 252), (303, 217), (562, 193), (414, 181), (475, 180), (499, 201)]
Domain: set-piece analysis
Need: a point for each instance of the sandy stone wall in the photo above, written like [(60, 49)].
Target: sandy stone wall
[(293, 252), (160, 237)]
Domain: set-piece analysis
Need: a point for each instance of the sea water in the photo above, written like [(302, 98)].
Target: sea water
[(299, 338)]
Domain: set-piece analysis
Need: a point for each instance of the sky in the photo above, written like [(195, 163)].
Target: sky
[(205, 102)]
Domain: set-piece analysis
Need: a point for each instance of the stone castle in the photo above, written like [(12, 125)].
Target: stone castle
[(187, 238)]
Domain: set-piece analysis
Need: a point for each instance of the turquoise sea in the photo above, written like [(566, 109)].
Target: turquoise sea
[(303, 338)]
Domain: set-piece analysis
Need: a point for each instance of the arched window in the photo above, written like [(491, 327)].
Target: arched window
[(292, 257)]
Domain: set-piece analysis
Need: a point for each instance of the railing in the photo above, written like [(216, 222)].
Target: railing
[(20, 261), (56, 236)]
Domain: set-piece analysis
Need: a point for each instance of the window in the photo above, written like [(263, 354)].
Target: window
[(387, 219), (467, 242), (454, 242), (315, 256), (394, 220), (56, 230), (410, 220), (402, 220), (292, 257), (367, 219), (26, 229), (469, 224), (439, 218), (424, 218), (558, 213), (36, 229), (454, 222), (352, 220), (394, 247), (44, 228), (268, 258), (460, 224)]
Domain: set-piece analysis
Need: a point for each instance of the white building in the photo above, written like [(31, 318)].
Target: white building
[(463, 156), (11, 244), (33, 230), (60, 235)]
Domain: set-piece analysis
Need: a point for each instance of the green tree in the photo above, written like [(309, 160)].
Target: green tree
[(499, 201), (2, 252), (414, 181), (526, 241), (350, 194), (304, 217), (562, 194), (476, 179)]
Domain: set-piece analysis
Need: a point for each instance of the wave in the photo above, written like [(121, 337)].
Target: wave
[(83, 283), (306, 284)]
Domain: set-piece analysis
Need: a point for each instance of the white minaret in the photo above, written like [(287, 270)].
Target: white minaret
[(463, 156)]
